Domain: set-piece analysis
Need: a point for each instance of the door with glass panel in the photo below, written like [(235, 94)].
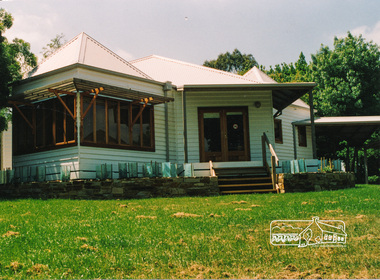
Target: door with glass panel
[(223, 134)]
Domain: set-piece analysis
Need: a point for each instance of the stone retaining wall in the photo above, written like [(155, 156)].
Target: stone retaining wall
[(164, 187), (305, 182), (113, 189)]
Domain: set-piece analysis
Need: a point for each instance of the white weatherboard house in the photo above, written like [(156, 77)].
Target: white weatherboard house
[(84, 106)]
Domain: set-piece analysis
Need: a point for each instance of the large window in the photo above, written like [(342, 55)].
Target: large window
[(113, 123), (52, 123), (108, 123)]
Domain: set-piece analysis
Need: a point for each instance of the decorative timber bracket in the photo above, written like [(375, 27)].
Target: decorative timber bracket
[(57, 92), (142, 107), (96, 91)]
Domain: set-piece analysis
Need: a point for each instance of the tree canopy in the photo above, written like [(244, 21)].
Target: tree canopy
[(291, 73), (234, 62), (55, 43), (15, 60), (347, 78)]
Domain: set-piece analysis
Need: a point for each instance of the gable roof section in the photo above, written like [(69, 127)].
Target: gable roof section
[(85, 50), (301, 103), (259, 76), (182, 73)]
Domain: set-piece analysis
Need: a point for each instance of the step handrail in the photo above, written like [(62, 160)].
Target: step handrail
[(274, 159), (212, 171), (266, 142)]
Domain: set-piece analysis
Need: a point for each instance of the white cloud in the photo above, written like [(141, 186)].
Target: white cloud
[(368, 32), (37, 30), (126, 55)]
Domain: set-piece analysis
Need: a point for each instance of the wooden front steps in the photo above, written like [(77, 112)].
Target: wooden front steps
[(243, 180)]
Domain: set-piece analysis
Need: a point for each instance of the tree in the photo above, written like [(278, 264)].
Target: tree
[(15, 59), (234, 62), (291, 73), (347, 78), (54, 45)]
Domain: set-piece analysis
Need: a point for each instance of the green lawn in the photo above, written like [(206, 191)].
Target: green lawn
[(214, 237)]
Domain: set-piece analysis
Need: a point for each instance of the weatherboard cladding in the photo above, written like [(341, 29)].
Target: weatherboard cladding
[(259, 119), (285, 151), (52, 160)]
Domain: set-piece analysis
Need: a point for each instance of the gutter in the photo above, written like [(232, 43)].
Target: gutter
[(273, 86)]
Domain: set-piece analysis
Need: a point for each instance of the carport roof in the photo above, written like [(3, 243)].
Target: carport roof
[(355, 129)]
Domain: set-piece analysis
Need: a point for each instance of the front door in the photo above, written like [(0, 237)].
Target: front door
[(223, 134)]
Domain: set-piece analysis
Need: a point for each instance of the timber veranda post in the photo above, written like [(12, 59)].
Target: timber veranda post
[(264, 151)]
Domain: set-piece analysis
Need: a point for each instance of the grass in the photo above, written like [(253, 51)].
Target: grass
[(214, 237)]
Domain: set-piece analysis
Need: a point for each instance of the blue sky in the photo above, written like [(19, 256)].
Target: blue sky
[(274, 31)]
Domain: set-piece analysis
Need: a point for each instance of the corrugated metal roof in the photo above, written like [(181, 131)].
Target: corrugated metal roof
[(182, 73), (259, 76), (85, 50), (349, 120)]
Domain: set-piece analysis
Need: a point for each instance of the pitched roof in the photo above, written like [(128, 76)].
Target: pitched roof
[(301, 103), (85, 50), (182, 73), (259, 76)]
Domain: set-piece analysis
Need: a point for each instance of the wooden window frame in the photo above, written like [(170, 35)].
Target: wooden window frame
[(118, 145), (279, 140), (302, 136), (66, 114), (48, 146)]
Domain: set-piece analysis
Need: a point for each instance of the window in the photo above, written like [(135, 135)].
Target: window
[(108, 123), (278, 131), (23, 138), (302, 136), (118, 124), (53, 125)]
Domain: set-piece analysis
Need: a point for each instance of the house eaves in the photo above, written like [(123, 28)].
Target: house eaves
[(83, 66), (282, 94)]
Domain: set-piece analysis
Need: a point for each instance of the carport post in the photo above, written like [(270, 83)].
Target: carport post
[(186, 157), (294, 140), (313, 138), (365, 166)]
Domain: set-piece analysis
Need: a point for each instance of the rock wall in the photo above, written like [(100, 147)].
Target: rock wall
[(165, 187), (114, 189), (305, 182)]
